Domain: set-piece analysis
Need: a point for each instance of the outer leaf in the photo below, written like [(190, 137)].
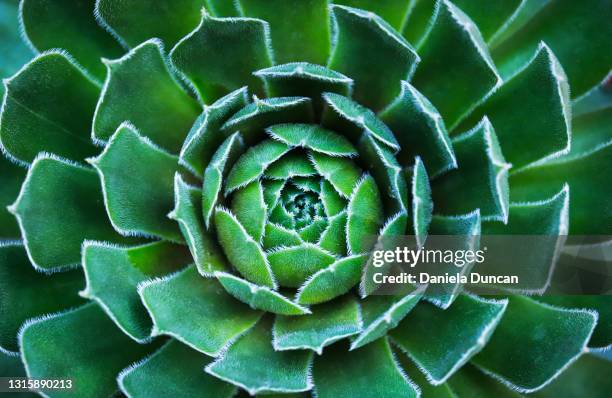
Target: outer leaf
[(27, 293), (547, 218), (250, 209), (253, 163), (222, 8), (332, 281), (12, 42), (174, 370), (302, 78), (489, 17), (586, 60), (417, 23), (205, 135), (313, 137), (472, 382), (12, 177), (354, 120), (215, 173), (327, 324), (533, 103), (420, 131), (422, 205), (467, 226), (187, 212), (392, 11), (123, 268), (133, 22), (261, 113), (343, 174), (242, 251), (69, 25), (383, 313), (453, 39), (299, 30), (427, 390), (293, 265), (232, 48), (274, 371), (551, 339), (48, 106), (185, 306), (76, 343), (137, 181), (592, 118), (365, 215), (590, 191), (588, 371), (152, 101), (482, 169), (57, 201), (259, 297), (370, 371), (460, 332), (363, 35)]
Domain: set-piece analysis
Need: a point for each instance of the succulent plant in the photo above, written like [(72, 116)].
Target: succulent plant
[(188, 186)]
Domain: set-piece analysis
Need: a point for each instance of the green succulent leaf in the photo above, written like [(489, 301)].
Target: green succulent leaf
[(183, 305), (27, 293), (81, 340), (359, 35), (532, 103), (586, 61), (461, 331), (327, 324), (342, 173), (370, 371), (491, 17), (354, 119), (551, 338), (295, 164), (587, 370), (392, 11), (279, 371), (420, 130), (223, 8), (250, 209), (293, 265), (69, 25), (364, 215), (427, 390), (48, 106), (422, 205), (151, 101), (467, 226), (52, 234), (16, 52), (132, 22), (215, 173), (474, 383), (333, 281), (592, 118), (303, 78), (138, 184), (298, 30), (382, 313), (333, 239), (261, 113), (187, 212), (232, 47), (453, 39), (589, 187), (313, 137), (418, 21), (175, 370), (483, 169), (259, 297), (124, 268), (331, 199), (205, 136), (242, 251), (253, 163), (276, 235)]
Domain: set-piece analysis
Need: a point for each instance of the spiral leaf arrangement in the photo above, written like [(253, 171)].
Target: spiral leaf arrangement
[(190, 215)]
